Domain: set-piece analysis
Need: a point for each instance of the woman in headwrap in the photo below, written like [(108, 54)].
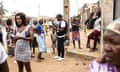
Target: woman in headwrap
[(110, 61)]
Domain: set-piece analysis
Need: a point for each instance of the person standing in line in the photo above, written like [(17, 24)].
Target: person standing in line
[(60, 31), (23, 37), (75, 31)]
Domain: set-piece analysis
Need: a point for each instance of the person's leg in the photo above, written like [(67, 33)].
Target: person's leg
[(96, 35), (53, 46), (53, 50), (58, 45), (40, 56), (62, 47), (73, 38), (79, 44), (74, 43), (20, 66), (34, 44), (90, 36), (4, 67), (28, 67)]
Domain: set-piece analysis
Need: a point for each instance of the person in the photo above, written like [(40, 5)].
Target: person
[(40, 38), (50, 24), (75, 31), (34, 42), (45, 27), (53, 39), (89, 22), (59, 27), (23, 36), (110, 61), (3, 56), (10, 31), (95, 34)]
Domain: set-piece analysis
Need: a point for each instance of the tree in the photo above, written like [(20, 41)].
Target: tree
[(2, 10)]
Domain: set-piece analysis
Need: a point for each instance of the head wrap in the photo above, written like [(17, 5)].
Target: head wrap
[(114, 26)]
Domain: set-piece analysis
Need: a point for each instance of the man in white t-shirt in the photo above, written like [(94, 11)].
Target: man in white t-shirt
[(60, 27)]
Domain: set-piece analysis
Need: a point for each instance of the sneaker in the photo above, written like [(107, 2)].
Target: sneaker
[(57, 57), (60, 59)]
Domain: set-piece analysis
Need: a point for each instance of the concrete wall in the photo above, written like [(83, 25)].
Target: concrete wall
[(107, 8)]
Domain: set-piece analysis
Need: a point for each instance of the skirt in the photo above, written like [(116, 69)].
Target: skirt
[(75, 35), (42, 47)]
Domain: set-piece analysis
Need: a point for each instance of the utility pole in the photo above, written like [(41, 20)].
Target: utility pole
[(38, 10), (66, 8)]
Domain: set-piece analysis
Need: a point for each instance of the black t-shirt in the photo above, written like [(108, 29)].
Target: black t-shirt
[(90, 23), (75, 28)]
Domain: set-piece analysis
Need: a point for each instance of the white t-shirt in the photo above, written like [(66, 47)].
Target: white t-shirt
[(62, 24), (50, 23), (97, 25), (3, 55)]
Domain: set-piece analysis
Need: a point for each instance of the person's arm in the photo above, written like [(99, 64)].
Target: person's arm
[(54, 27), (27, 38), (86, 21)]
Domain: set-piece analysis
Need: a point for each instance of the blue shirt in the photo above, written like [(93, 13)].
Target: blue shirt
[(40, 28)]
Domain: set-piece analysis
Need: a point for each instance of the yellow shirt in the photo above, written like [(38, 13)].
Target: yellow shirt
[(45, 26)]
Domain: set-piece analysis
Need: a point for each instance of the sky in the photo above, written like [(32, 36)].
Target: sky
[(46, 7)]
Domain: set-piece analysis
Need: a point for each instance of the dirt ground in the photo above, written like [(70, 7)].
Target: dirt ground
[(50, 64)]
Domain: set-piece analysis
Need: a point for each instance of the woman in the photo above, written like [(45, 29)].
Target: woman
[(40, 38), (75, 31), (110, 62), (23, 37)]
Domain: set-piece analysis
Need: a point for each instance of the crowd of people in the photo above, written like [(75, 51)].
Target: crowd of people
[(25, 36)]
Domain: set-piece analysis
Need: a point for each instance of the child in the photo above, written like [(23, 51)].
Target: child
[(54, 40)]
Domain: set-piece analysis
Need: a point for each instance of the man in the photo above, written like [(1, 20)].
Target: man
[(60, 30), (95, 33)]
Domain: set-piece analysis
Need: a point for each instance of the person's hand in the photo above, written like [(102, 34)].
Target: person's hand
[(16, 37)]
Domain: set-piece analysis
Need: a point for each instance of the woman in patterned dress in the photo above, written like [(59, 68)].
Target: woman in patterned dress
[(23, 36)]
